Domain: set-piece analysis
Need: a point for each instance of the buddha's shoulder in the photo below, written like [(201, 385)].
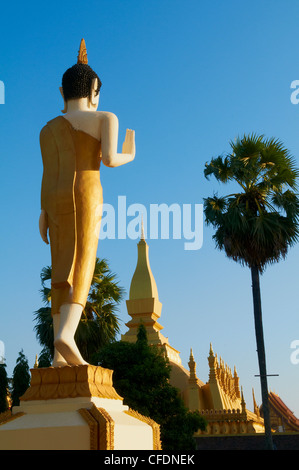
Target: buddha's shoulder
[(46, 129), (107, 116), (98, 118)]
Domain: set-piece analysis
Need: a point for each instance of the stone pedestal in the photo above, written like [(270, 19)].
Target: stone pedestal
[(75, 408)]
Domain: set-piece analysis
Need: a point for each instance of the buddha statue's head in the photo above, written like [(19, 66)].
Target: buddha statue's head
[(81, 82)]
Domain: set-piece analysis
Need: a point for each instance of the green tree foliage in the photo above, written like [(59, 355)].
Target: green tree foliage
[(99, 323), (3, 388), (44, 359), (20, 379), (257, 225), (141, 375)]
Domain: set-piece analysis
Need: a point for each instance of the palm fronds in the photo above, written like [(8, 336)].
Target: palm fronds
[(257, 225), (99, 323)]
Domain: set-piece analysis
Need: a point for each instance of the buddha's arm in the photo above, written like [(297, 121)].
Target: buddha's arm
[(43, 218), (43, 226), (109, 140), (47, 149)]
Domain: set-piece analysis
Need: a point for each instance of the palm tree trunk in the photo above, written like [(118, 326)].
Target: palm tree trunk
[(257, 308)]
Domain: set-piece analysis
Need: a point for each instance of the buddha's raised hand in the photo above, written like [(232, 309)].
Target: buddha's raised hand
[(129, 143)]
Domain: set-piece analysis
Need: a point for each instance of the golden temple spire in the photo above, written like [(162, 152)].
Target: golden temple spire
[(36, 362), (144, 305), (212, 365), (192, 368), (191, 362), (82, 53), (143, 284), (236, 383), (243, 404), (142, 237)]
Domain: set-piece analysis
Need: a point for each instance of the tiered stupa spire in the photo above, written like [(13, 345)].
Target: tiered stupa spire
[(144, 305), (224, 385), (143, 284), (192, 367)]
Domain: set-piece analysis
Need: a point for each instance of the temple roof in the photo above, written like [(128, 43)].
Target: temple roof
[(282, 409)]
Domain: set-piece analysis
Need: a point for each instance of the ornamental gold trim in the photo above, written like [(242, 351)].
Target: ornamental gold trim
[(155, 427), (101, 427), (70, 382), (106, 428), (93, 427), (7, 416)]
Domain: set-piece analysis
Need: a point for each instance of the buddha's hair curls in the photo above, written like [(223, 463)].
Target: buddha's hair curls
[(77, 80)]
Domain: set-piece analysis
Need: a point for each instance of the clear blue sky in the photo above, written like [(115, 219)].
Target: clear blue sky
[(188, 77)]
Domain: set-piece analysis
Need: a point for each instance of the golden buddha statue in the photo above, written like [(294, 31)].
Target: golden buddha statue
[(73, 147)]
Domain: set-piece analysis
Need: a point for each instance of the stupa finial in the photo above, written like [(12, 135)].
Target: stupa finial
[(142, 237), (82, 53)]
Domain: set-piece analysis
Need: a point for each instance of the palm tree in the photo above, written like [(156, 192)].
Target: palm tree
[(99, 323), (257, 225)]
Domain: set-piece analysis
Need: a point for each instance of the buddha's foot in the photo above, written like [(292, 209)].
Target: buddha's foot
[(69, 351)]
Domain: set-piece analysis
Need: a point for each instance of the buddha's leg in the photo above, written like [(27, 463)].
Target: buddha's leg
[(58, 360), (64, 342)]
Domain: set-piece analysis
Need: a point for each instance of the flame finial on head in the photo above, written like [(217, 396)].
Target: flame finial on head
[(82, 54)]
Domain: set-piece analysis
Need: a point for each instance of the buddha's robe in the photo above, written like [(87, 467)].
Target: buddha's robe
[(72, 197)]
